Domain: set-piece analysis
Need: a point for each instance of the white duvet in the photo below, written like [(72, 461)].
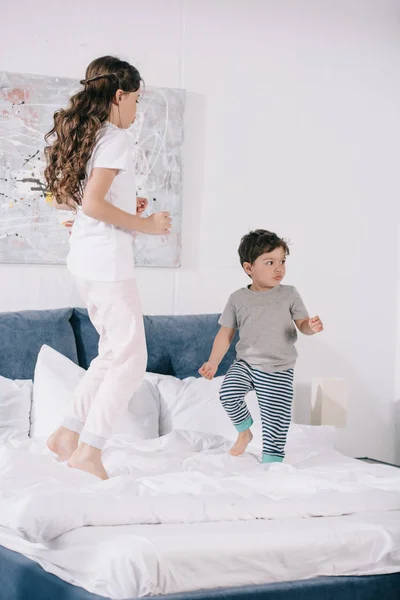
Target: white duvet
[(181, 478), (180, 514)]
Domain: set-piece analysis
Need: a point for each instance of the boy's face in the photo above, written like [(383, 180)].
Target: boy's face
[(268, 270)]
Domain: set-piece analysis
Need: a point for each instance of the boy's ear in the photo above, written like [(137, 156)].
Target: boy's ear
[(247, 268)]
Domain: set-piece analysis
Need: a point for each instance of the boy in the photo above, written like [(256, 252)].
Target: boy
[(264, 313)]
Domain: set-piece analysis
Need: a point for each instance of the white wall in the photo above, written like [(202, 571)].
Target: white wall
[(292, 124), (396, 410)]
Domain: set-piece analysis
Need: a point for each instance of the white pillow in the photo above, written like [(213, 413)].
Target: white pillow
[(56, 378), (194, 405), (15, 408)]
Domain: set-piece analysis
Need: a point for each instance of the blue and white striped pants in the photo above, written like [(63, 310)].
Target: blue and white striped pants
[(274, 393)]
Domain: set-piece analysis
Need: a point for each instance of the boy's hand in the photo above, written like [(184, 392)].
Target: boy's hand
[(208, 370), (316, 325)]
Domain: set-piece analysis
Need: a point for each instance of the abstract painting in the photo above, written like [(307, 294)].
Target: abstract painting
[(31, 230)]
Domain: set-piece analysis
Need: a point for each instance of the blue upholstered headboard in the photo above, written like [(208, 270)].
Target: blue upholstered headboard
[(177, 345)]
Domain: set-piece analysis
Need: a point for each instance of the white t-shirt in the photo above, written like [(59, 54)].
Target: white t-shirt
[(98, 251)]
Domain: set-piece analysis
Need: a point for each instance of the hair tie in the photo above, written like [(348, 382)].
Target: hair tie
[(96, 77)]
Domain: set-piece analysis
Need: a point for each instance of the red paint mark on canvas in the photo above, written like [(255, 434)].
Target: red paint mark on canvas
[(15, 95)]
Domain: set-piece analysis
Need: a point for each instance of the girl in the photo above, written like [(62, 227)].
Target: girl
[(90, 169)]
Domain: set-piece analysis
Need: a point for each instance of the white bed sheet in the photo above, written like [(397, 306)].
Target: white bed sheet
[(128, 561), (131, 561)]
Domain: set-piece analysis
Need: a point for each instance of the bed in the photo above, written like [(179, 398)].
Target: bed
[(179, 518)]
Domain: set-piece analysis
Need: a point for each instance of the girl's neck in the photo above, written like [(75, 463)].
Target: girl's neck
[(114, 117)]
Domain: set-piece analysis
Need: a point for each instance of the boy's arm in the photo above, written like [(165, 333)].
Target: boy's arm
[(301, 318), (221, 345), (309, 326)]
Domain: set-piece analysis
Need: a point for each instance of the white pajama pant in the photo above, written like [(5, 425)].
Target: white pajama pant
[(108, 385)]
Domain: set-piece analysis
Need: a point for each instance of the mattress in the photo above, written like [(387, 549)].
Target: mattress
[(181, 515), (134, 561)]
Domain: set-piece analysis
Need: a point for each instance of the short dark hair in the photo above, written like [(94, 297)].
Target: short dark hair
[(257, 242)]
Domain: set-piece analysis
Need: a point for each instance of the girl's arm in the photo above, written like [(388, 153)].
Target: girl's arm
[(95, 205), (221, 345)]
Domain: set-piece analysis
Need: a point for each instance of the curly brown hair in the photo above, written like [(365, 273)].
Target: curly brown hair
[(71, 141)]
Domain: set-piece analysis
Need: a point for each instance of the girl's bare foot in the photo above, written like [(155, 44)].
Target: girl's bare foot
[(244, 439), (63, 442), (87, 458)]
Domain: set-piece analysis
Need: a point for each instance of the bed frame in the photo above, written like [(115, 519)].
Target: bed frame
[(172, 352), (24, 579)]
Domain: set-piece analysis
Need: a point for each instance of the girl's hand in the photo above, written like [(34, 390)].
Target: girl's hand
[(141, 205), (208, 370), (316, 325), (158, 224)]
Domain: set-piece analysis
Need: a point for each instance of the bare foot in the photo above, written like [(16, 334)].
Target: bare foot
[(87, 458), (244, 439), (63, 442)]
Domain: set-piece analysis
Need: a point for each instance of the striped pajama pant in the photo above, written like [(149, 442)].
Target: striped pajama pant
[(274, 394)]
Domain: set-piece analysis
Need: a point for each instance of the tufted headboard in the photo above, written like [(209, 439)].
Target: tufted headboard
[(177, 345)]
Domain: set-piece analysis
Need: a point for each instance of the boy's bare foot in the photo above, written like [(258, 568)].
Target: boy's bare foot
[(244, 439), (87, 458), (63, 442)]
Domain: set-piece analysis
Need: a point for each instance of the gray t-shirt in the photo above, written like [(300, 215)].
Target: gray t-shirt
[(267, 334)]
